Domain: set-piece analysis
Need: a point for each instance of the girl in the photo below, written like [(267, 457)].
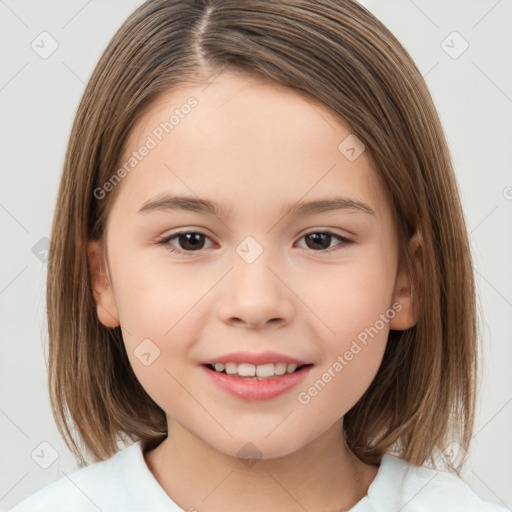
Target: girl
[(195, 307)]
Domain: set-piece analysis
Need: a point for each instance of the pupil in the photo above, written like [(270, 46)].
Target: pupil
[(319, 238), (189, 241)]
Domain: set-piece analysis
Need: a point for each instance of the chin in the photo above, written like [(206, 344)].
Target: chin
[(256, 446)]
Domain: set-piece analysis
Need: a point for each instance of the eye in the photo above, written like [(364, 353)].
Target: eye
[(321, 241), (191, 241), (194, 241)]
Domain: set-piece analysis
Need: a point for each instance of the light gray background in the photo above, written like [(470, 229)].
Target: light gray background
[(38, 98)]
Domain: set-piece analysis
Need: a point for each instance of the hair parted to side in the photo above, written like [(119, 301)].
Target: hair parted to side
[(334, 51)]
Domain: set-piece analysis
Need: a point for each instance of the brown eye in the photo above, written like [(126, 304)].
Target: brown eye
[(187, 242), (320, 241), (191, 241)]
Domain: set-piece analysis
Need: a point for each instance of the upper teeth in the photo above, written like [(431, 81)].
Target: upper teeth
[(252, 370)]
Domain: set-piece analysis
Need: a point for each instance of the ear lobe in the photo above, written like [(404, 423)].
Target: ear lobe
[(106, 306), (406, 292)]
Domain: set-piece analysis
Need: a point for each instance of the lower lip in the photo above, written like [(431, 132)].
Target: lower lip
[(257, 390)]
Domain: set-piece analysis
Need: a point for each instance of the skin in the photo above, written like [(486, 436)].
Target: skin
[(255, 148)]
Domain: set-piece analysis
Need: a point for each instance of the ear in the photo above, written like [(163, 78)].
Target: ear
[(106, 307), (406, 292)]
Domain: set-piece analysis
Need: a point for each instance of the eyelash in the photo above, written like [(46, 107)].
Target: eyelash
[(165, 242)]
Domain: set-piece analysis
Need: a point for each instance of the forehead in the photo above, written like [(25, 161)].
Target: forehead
[(245, 142)]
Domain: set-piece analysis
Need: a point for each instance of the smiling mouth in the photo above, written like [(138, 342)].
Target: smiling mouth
[(256, 372)]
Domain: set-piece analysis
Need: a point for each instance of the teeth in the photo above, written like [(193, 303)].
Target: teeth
[(251, 370), (231, 368), (291, 368), (280, 368)]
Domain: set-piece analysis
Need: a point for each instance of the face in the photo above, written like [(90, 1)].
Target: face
[(256, 279)]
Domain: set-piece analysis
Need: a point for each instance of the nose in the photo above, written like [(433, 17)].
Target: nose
[(256, 294)]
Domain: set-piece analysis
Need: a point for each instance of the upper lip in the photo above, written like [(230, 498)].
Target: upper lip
[(255, 358)]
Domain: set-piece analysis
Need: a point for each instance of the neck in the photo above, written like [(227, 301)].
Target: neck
[(321, 476)]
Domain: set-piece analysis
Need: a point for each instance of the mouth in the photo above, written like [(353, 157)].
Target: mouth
[(256, 383), (268, 371)]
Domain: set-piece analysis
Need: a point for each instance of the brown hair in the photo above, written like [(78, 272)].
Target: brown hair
[(338, 53)]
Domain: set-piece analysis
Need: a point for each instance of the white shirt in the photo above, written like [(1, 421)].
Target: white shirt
[(124, 483)]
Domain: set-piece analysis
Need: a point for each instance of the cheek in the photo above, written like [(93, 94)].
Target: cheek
[(348, 299), (158, 308), (155, 301), (354, 306)]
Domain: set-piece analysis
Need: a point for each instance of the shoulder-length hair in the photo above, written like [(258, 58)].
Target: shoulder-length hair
[(336, 52)]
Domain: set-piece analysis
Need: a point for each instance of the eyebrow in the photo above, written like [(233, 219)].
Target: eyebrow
[(168, 203)]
